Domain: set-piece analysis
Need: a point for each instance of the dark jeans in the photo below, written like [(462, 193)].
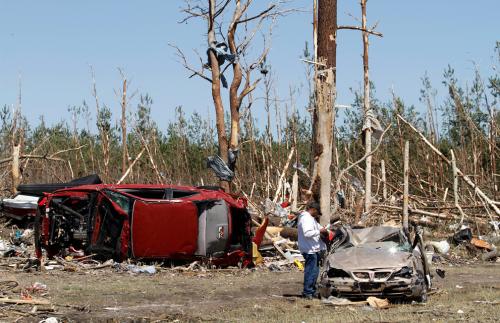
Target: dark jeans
[(311, 273)]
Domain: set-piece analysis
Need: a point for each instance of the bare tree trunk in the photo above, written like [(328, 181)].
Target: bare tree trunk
[(491, 147), (16, 176), (283, 174), (367, 108), (384, 180), (104, 133), (455, 185), (406, 185), (295, 178), (312, 105), (216, 92), (324, 120), (124, 126), (234, 99)]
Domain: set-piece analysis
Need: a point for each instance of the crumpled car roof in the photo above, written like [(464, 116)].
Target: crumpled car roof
[(366, 253)]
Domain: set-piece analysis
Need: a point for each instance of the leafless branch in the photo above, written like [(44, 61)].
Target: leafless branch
[(192, 11), (66, 150), (248, 89), (221, 9), (370, 31), (345, 170), (261, 14), (186, 65)]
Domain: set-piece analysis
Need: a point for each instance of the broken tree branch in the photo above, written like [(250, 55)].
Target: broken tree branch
[(345, 170), (370, 31), (282, 176), (131, 166), (66, 150), (418, 211), (466, 178), (261, 14), (184, 63), (406, 174), (455, 185)]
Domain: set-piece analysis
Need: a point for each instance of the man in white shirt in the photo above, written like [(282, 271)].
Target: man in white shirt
[(311, 246)]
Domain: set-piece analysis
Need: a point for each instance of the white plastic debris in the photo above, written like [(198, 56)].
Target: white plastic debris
[(50, 320), (141, 269), (429, 255), (442, 247), (3, 246)]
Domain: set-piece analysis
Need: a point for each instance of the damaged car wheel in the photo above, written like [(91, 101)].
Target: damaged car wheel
[(422, 297)]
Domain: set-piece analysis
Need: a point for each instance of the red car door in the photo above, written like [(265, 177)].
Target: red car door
[(164, 229)]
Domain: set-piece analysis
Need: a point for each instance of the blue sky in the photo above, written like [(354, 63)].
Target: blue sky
[(51, 44)]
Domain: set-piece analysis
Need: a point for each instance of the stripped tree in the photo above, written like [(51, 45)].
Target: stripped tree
[(124, 98), (369, 119), (123, 104), (229, 46), (323, 114)]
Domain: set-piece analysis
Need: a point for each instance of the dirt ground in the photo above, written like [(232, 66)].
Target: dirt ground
[(470, 293)]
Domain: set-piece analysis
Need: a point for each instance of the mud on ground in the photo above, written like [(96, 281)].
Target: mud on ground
[(243, 296)]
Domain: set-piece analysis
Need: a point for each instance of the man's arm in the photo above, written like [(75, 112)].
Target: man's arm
[(309, 227)]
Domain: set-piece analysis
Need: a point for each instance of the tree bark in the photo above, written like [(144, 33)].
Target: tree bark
[(16, 177), (366, 108), (234, 100), (406, 185), (324, 117), (216, 92), (124, 126), (455, 185), (384, 180)]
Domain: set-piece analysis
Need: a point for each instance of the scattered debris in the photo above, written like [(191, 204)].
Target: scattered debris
[(372, 301), (441, 273), (24, 301), (481, 244), (463, 235), (377, 302), (442, 247), (490, 255), (488, 302), (337, 301), (151, 270), (37, 288)]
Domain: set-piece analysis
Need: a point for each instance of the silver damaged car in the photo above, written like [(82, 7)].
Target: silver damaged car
[(376, 261)]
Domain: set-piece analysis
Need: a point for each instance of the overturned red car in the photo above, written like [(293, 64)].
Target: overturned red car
[(146, 222)]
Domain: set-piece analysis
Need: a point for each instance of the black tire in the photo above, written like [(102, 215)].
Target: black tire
[(39, 189), (422, 298)]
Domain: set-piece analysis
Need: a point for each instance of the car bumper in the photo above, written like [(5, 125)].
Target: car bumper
[(349, 288)]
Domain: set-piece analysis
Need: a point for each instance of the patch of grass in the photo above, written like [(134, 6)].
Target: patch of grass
[(253, 296)]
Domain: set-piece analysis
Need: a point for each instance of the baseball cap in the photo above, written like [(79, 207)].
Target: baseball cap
[(314, 205)]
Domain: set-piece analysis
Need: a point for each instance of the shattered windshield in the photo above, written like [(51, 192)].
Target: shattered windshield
[(378, 237), (387, 245)]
